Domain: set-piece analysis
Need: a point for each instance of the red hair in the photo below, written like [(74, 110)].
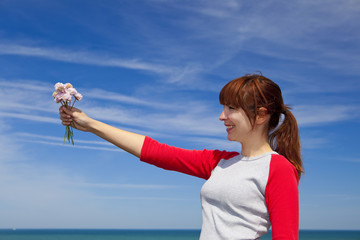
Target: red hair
[(252, 92)]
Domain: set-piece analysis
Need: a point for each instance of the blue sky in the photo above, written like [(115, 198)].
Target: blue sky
[(156, 67)]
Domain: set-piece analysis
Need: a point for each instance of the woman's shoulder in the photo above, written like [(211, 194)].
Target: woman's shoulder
[(281, 165), (223, 154)]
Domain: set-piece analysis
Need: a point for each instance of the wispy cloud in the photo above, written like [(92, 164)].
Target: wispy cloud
[(141, 198), (129, 186), (73, 146), (58, 141), (264, 30), (41, 94), (189, 118), (52, 138), (84, 58), (37, 118), (308, 115), (210, 8), (10, 149), (179, 118), (29, 189), (26, 84), (312, 142), (101, 94), (215, 143)]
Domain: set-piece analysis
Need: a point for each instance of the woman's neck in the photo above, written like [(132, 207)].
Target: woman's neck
[(255, 148)]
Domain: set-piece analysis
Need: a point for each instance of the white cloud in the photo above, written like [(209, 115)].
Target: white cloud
[(312, 142), (307, 31), (24, 135), (128, 186), (46, 196), (215, 143), (84, 58), (117, 97), (308, 115), (213, 9), (193, 121), (9, 148), (67, 144), (58, 141), (141, 198), (37, 118), (30, 85), (189, 118)]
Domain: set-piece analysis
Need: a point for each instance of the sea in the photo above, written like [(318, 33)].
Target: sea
[(96, 234)]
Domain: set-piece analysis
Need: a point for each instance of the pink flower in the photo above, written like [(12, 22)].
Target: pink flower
[(68, 85), (64, 94), (78, 96), (72, 91), (67, 97), (57, 100), (58, 97)]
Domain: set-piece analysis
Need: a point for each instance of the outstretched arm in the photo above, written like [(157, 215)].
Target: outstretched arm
[(128, 141)]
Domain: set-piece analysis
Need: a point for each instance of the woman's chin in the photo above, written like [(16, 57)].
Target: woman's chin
[(233, 139), (230, 138)]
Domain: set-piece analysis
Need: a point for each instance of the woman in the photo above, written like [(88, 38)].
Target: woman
[(245, 193)]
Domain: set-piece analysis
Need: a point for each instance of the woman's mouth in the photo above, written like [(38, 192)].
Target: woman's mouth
[(229, 127)]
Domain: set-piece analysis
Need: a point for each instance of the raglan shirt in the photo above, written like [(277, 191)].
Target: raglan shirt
[(243, 196)]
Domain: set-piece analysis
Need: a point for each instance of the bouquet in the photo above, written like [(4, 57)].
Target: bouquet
[(64, 94)]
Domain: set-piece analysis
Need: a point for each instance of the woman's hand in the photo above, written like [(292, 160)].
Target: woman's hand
[(128, 141), (75, 118)]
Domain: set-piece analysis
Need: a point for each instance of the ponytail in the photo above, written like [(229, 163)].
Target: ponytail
[(285, 140)]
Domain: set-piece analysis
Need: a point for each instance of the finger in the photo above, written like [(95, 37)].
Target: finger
[(65, 123), (65, 115), (64, 112), (65, 118), (63, 109)]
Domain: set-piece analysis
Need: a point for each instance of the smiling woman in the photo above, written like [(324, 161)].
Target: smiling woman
[(245, 193)]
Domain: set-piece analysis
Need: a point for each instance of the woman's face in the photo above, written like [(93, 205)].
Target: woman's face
[(237, 123)]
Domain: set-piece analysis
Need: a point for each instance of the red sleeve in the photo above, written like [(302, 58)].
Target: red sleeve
[(197, 163), (282, 199)]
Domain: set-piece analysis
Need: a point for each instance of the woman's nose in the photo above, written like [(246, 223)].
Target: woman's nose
[(222, 116)]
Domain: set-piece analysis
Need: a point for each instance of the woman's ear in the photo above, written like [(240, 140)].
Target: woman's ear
[(262, 116)]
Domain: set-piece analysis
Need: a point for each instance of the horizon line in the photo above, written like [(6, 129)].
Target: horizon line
[(156, 229)]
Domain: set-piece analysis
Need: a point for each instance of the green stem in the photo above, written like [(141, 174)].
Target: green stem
[(73, 103), (69, 133)]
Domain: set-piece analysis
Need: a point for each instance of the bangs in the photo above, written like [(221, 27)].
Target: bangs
[(235, 94), (239, 93)]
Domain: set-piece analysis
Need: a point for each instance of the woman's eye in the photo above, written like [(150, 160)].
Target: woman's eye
[(231, 108)]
